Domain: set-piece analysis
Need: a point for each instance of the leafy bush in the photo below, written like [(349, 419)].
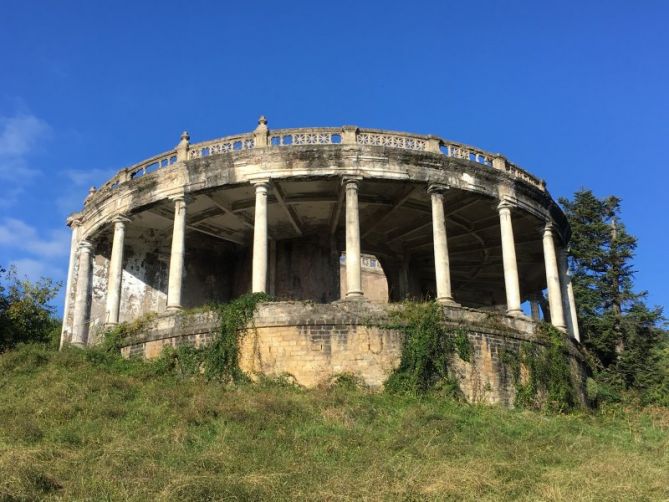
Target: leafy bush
[(25, 311)]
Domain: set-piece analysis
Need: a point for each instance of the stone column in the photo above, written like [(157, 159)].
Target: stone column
[(567, 292), (74, 224), (511, 283), (353, 272), (553, 279), (259, 274), (177, 254), (440, 243), (116, 270), (79, 325)]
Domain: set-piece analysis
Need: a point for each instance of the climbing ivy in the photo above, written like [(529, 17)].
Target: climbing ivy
[(426, 349), (108, 349), (219, 359), (547, 380)]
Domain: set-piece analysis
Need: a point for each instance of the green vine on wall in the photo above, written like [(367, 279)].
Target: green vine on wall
[(112, 339), (427, 347), (219, 359), (542, 373)]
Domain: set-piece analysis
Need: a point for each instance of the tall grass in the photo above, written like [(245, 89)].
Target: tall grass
[(85, 425)]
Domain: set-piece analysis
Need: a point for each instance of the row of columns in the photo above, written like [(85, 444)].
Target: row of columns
[(560, 293)]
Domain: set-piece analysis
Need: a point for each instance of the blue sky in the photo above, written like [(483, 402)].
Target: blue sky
[(575, 92)]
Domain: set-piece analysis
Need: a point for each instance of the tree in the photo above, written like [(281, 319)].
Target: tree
[(25, 311), (616, 325)]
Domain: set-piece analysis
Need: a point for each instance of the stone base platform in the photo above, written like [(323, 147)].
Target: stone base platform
[(312, 343)]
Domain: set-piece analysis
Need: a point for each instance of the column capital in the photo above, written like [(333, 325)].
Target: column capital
[(260, 182), (121, 218), (85, 246), (505, 203), (549, 228), (438, 188), (350, 179), (180, 197)]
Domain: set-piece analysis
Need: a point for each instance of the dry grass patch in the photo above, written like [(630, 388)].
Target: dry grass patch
[(72, 428)]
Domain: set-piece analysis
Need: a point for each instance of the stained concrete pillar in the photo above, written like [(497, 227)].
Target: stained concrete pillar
[(567, 292), (553, 279), (174, 285), (511, 283), (259, 273), (67, 327), (353, 272), (440, 243), (79, 324), (116, 270)]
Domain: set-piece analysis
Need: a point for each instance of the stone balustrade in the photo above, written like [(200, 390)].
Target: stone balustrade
[(262, 137)]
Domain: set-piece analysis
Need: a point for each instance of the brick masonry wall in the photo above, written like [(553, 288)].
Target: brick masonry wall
[(312, 343)]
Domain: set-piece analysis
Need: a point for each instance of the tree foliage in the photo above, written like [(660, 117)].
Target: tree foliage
[(624, 335), (25, 311)]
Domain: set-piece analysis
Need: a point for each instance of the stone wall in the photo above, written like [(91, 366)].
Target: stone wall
[(312, 343)]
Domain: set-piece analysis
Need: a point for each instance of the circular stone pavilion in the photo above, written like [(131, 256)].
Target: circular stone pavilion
[(277, 210)]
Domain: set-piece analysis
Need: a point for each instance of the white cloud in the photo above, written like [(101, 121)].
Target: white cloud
[(35, 269), (17, 234), (20, 136)]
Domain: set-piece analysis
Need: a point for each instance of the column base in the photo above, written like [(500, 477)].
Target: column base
[(174, 308), (449, 302), (515, 313), (354, 295)]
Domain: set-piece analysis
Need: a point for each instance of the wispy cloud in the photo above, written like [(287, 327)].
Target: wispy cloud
[(32, 269), (18, 235), (20, 135)]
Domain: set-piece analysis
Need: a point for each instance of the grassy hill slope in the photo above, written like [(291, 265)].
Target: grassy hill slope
[(77, 425)]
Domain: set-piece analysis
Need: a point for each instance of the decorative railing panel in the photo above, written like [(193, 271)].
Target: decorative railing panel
[(392, 140), (289, 137), (223, 145)]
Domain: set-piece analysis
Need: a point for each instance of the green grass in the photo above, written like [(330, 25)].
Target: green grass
[(80, 425)]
